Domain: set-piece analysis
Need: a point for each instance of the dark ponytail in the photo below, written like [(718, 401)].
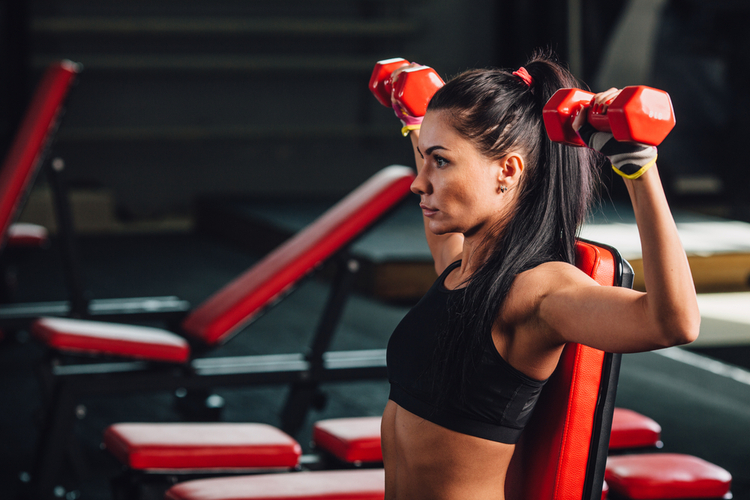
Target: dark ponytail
[(499, 112)]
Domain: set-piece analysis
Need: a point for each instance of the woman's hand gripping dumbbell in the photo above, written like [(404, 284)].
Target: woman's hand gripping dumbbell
[(405, 87), (624, 125)]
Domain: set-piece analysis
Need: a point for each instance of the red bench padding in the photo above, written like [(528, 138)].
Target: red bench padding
[(666, 475), (28, 147), (630, 429), (235, 304), (94, 337), (597, 262), (232, 307), (22, 234), (352, 440), (367, 484), (552, 455), (201, 446)]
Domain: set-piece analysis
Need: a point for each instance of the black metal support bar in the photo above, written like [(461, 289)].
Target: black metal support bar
[(346, 271), (65, 230), (168, 308), (303, 395), (59, 423)]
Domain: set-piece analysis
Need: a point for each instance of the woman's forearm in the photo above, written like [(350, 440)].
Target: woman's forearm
[(670, 292)]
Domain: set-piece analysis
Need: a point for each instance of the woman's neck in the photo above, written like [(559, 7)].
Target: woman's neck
[(473, 255)]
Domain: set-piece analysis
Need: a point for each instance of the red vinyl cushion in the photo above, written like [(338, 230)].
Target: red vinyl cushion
[(22, 234), (26, 151), (352, 440), (605, 490), (365, 484), (631, 429), (597, 262), (201, 446), (237, 303), (666, 475), (551, 457), (94, 337)]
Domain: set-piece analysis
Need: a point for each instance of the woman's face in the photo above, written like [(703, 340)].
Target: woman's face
[(459, 188)]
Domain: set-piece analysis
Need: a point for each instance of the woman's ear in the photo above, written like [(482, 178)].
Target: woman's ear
[(511, 168)]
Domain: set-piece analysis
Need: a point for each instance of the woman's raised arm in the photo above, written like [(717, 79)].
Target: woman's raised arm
[(620, 320), (444, 248)]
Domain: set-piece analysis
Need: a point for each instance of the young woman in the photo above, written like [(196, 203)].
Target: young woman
[(502, 205)]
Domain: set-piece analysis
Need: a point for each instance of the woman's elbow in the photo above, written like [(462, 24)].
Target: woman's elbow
[(679, 331)]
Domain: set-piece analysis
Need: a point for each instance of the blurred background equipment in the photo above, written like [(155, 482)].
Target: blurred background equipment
[(196, 124), (182, 99)]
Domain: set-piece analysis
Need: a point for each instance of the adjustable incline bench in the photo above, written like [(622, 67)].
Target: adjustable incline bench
[(27, 154), (561, 455), (160, 360)]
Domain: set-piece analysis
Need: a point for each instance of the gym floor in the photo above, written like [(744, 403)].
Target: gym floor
[(704, 408)]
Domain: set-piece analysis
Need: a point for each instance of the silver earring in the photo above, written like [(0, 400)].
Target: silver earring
[(503, 189)]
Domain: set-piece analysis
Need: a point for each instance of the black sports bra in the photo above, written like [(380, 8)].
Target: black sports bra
[(497, 403)]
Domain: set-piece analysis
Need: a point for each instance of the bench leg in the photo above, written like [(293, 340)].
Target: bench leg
[(301, 398), (53, 439)]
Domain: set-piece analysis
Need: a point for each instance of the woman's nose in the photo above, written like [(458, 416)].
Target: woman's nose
[(420, 185)]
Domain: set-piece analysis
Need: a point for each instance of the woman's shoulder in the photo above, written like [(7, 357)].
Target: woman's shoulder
[(549, 275), (531, 287)]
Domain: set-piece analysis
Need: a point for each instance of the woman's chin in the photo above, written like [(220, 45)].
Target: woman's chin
[(440, 229)]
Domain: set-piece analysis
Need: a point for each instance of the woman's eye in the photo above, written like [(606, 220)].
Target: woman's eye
[(440, 161)]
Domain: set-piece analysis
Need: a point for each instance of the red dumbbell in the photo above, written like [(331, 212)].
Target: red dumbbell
[(380, 82), (413, 89), (639, 114)]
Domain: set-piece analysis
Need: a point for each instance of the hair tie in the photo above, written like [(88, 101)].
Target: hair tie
[(524, 76)]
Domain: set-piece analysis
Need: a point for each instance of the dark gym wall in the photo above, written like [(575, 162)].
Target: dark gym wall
[(167, 111), (14, 79)]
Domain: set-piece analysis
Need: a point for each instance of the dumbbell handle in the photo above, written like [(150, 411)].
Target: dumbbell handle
[(638, 114)]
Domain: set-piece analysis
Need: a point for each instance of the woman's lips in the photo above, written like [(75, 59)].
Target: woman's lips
[(427, 211)]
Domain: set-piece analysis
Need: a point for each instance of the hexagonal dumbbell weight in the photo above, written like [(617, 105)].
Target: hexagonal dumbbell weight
[(413, 88), (638, 114), (380, 82)]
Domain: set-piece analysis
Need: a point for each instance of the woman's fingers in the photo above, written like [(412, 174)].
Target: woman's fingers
[(599, 104), (603, 99), (579, 118)]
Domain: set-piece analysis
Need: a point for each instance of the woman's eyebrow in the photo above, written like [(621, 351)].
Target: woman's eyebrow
[(429, 150), (420, 153)]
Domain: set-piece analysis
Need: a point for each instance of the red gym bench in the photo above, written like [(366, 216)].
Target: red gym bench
[(150, 359), (561, 455), (28, 150), (563, 450), (660, 476), (633, 431), (27, 155)]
